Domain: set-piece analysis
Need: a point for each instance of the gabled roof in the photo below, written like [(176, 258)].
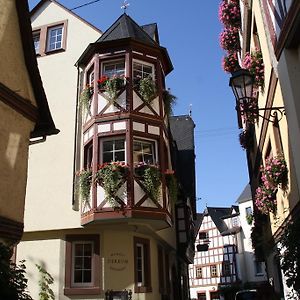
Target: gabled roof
[(125, 27), (198, 222), (44, 125), (217, 214), (42, 2), (246, 195)]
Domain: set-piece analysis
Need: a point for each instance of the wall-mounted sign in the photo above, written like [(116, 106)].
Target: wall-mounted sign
[(117, 261)]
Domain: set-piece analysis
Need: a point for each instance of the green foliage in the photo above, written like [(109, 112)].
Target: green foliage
[(147, 89), (85, 182), (45, 281), (172, 186), (109, 176), (151, 181), (85, 98), (13, 283), (290, 258), (169, 102), (249, 218), (113, 86)]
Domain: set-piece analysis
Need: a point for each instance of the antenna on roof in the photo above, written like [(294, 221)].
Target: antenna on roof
[(125, 6), (190, 111)]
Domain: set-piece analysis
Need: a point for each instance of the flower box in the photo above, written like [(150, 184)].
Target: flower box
[(111, 86)]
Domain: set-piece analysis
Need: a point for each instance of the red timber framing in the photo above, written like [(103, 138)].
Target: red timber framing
[(152, 120)]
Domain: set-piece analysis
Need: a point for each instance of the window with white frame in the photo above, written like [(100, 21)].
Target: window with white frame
[(213, 271), (113, 68), (144, 151), (54, 38), (142, 70), (140, 263), (82, 254), (36, 41), (113, 150), (198, 272)]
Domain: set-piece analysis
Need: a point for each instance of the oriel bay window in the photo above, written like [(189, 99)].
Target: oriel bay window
[(112, 150), (142, 70), (144, 151), (142, 271), (82, 265)]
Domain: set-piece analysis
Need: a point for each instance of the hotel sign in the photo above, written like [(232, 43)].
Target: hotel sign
[(117, 261)]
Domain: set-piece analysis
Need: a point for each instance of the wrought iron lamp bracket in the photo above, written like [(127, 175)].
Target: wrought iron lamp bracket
[(276, 114)]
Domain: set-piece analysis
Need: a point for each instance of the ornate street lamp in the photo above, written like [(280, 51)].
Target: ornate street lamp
[(242, 84)]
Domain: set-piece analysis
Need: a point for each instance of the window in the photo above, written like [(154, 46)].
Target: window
[(88, 156), (248, 211), (213, 271), (50, 38), (258, 267), (198, 272), (54, 38), (142, 265), (201, 296), (82, 265), (226, 268), (142, 70), (143, 151), (203, 235), (113, 68), (113, 150), (36, 41)]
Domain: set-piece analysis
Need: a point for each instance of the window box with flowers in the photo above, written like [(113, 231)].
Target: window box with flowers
[(85, 183), (150, 178), (230, 63), (274, 175), (229, 13), (111, 176), (111, 86), (254, 63), (146, 87), (229, 39), (85, 98)]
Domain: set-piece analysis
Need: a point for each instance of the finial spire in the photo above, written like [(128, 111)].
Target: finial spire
[(125, 6), (190, 111)]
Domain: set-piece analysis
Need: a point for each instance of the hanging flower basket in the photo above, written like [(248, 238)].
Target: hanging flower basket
[(150, 178), (229, 13), (265, 200), (110, 176), (230, 63), (246, 139), (147, 89), (254, 63), (249, 110), (276, 172), (229, 39), (172, 185), (85, 182), (86, 97), (111, 86)]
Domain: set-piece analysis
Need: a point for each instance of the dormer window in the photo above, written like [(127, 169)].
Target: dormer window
[(113, 68)]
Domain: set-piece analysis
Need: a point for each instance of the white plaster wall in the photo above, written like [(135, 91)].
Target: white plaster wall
[(50, 180)]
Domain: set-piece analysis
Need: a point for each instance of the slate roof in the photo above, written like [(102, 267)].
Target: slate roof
[(125, 27), (182, 131), (217, 214), (152, 31), (198, 222), (246, 195)]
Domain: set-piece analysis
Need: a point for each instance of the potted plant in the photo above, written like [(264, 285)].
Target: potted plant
[(150, 178), (246, 139), (254, 63), (85, 182), (249, 218), (229, 39), (230, 63), (110, 176), (169, 102), (229, 13), (147, 89), (265, 199), (111, 86), (249, 110), (85, 97)]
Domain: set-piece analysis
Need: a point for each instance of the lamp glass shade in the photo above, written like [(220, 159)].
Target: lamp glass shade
[(242, 83)]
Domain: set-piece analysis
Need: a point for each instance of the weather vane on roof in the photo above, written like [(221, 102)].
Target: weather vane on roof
[(125, 5)]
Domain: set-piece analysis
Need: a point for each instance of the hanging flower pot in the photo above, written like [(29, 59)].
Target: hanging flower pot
[(147, 89), (249, 110), (229, 13), (246, 139), (85, 182), (229, 39), (254, 63), (230, 63), (265, 200), (86, 97)]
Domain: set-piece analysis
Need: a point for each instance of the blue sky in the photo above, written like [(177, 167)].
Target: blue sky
[(190, 31)]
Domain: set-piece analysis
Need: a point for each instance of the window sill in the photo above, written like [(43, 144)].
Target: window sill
[(82, 291)]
